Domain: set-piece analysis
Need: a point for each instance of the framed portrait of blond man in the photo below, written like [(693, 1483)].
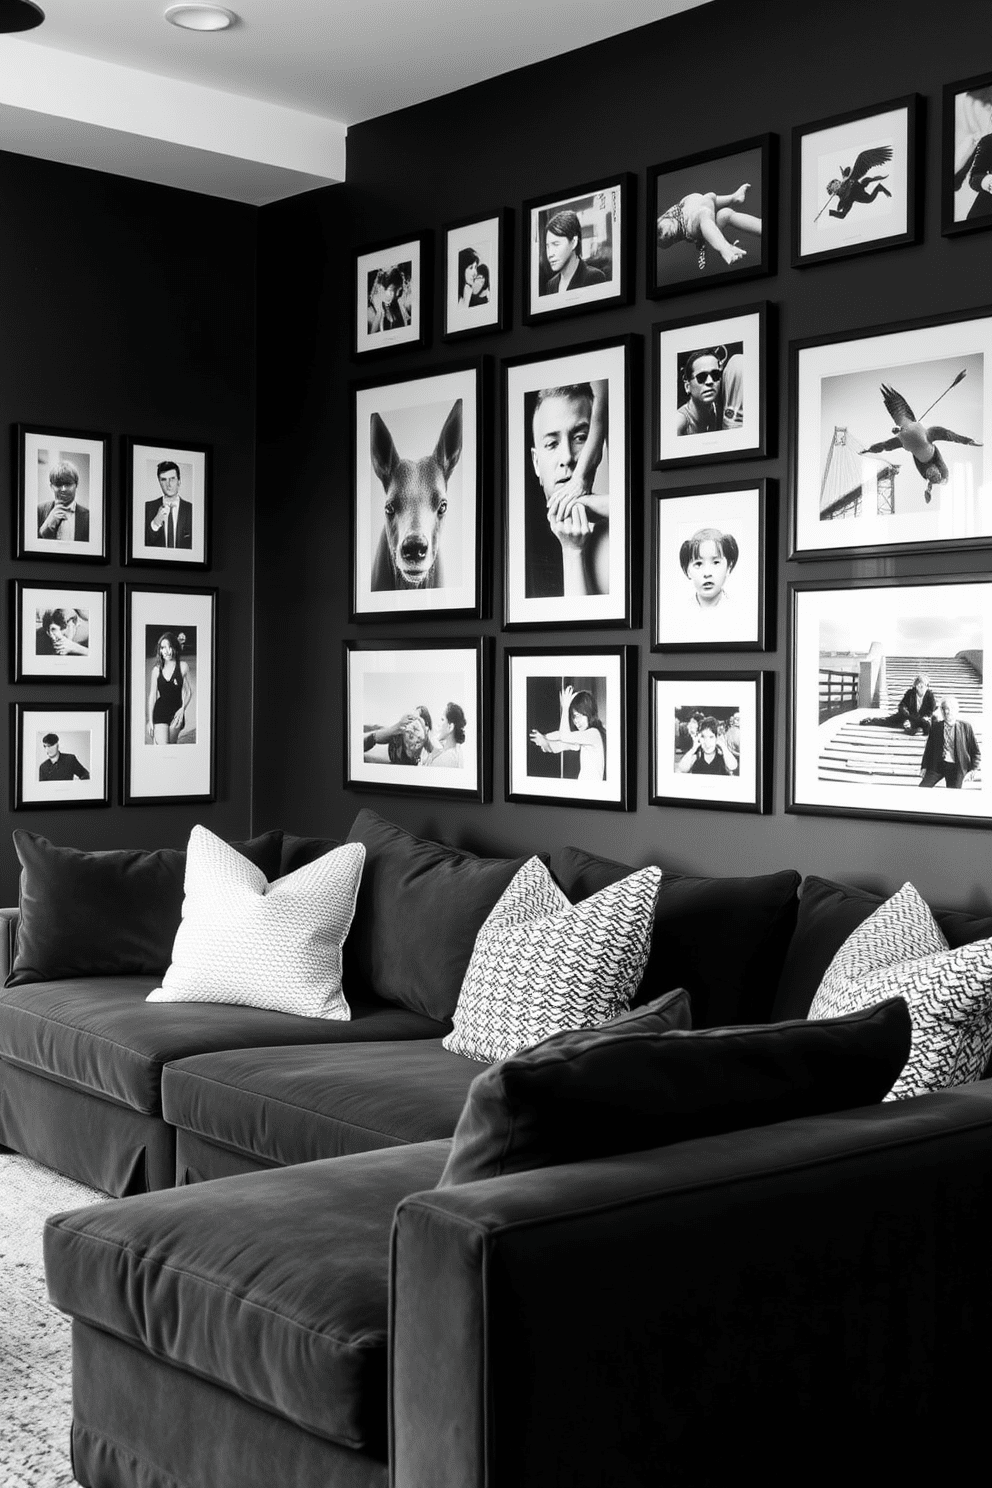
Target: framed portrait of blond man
[(167, 503), (62, 482)]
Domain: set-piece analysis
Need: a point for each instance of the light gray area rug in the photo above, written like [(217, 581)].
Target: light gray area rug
[(35, 1373)]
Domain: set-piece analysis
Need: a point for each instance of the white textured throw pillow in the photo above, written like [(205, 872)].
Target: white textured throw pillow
[(542, 965), (267, 945), (900, 950)]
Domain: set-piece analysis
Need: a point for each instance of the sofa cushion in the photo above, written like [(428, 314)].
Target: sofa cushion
[(752, 918), (420, 907), (274, 1285), (297, 852), (296, 1104), (104, 913), (542, 965)]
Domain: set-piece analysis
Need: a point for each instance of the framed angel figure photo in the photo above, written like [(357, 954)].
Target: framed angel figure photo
[(710, 736), (966, 156), (61, 631), (63, 483), (167, 503)]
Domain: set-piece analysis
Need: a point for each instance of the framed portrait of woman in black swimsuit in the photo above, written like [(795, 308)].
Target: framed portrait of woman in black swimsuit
[(169, 711), (966, 156)]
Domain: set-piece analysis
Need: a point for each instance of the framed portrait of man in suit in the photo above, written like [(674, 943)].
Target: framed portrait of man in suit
[(62, 483), (167, 503)]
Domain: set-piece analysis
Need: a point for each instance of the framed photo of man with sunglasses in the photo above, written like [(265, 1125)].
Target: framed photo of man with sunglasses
[(710, 388)]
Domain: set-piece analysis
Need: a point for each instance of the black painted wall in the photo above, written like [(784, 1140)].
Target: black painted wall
[(729, 70), (130, 309)]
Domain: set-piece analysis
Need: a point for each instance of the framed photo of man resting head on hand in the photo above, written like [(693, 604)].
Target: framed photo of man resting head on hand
[(61, 631)]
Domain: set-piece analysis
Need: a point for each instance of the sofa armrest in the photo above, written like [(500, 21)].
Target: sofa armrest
[(794, 1299), (9, 919)]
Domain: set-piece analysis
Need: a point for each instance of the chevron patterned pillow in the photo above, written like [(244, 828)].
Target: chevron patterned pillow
[(900, 950), (542, 964)]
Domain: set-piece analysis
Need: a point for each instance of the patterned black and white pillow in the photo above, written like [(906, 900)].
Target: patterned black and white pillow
[(900, 950), (542, 965)]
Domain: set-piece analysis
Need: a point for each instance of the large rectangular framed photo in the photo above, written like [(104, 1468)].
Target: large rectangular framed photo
[(169, 651), (710, 387), (892, 431), (578, 248), (62, 482), (710, 736), (167, 503), (392, 295), (417, 717), (887, 703), (60, 755), (966, 156), (61, 631)]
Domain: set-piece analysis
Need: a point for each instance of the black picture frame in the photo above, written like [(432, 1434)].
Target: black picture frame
[(607, 204), (689, 262), (79, 651), (488, 237), (534, 682), (966, 109), (86, 726), (740, 703), (408, 264), (38, 450), (407, 677), (146, 487), (736, 341), (825, 154)]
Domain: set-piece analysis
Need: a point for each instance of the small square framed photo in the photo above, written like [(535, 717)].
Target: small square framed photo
[(476, 275), (61, 631), (169, 651), (966, 156), (710, 392), (709, 559), (392, 295), (60, 755), (63, 481), (709, 217), (570, 727), (857, 182), (711, 740), (167, 503), (417, 717), (578, 249)]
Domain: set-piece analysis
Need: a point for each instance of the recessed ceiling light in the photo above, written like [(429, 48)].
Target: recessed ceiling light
[(200, 17), (19, 15)]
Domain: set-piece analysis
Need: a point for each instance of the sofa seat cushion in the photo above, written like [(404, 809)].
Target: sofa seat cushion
[(297, 1104), (100, 1035), (274, 1285)]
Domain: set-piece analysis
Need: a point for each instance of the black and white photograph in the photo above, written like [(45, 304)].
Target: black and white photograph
[(709, 552), (60, 631), (418, 510), (59, 755), (169, 713), (709, 391), (392, 306), (166, 503), (476, 264), (856, 182), (708, 217), (710, 740), (63, 481), (568, 431), (568, 736), (892, 429), (417, 717), (887, 710), (966, 156), (578, 248)]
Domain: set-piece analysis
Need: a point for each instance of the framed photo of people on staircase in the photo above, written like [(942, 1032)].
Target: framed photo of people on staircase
[(887, 706), (892, 438)]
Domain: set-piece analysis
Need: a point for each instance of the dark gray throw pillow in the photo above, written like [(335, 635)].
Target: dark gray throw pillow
[(581, 1096), (111, 913)]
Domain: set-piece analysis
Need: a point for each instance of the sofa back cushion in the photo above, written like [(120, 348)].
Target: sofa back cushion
[(723, 939)]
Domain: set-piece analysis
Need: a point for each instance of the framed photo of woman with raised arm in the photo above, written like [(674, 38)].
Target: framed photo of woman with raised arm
[(579, 248), (169, 638)]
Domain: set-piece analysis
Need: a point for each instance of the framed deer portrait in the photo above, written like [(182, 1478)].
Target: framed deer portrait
[(419, 504)]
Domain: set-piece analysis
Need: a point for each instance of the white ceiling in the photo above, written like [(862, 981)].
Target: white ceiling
[(261, 111)]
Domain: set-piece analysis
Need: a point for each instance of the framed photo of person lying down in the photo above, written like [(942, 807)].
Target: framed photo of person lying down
[(417, 717), (893, 428), (887, 708), (710, 738), (569, 739), (392, 295), (710, 393), (63, 481), (578, 248), (169, 638), (854, 182), (60, 755), (477, 275), (61, 631), (966, 156), (708, 217), (167, 503)]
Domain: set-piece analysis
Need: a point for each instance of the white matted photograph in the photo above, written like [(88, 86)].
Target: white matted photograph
[(892, 432), (887, 708), (966, 155), (710, 739), (169, 712), (62, 485), (709, 393), (568, 739), (392, 295), (61, 631), (709, 562), (60, 755), (418, 506), (416, 717), (166, 503), (578, 248), (567, 462), (475, 288)]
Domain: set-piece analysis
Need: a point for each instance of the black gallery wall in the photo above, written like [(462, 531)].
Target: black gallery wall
[(129, 309), (714, 75)]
